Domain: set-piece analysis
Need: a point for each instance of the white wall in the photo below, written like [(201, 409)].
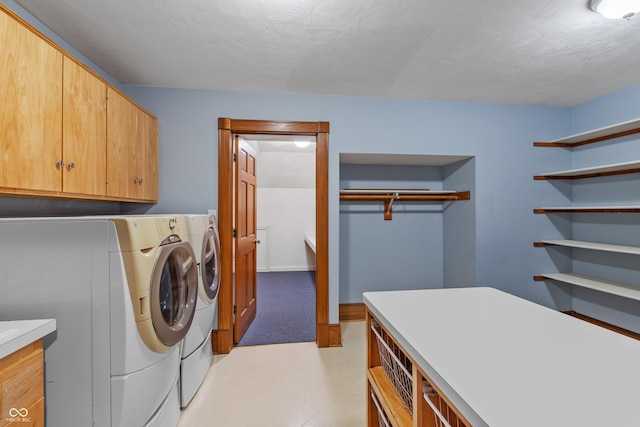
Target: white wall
[(289, 213), (287, 206)]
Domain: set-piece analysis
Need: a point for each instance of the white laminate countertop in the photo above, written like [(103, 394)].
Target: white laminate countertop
[(504, 361), (15, 334), (310, 238)]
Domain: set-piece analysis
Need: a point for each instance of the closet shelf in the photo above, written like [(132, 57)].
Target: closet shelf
[(604, 170), (587, 209), (601, 134), (605, 286), (389, 196), (604, 247)]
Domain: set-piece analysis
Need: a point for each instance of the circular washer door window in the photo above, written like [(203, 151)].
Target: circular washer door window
[(173, 291), (210, 263)]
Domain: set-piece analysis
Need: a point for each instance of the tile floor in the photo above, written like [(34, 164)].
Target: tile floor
[(285, 385)]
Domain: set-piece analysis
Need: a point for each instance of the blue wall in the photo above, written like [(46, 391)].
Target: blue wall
[(500, 138)]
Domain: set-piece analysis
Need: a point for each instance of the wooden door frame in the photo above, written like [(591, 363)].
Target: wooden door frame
[(327, 335)]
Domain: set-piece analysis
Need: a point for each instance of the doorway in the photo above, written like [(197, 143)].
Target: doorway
[(284, 285), (327, 335)]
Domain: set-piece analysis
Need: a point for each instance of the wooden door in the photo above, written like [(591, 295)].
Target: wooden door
[(84, 131), (245, 250), (146, 155), (121, 135), (30, 109)]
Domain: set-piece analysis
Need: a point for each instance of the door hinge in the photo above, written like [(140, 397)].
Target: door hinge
[(235, 233), (235, 309), (235, 157)]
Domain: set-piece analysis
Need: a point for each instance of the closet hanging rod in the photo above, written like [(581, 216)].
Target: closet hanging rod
[(434, 196)]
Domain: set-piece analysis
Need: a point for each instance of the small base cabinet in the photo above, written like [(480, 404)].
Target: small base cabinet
[(22, 385), (399, 393)]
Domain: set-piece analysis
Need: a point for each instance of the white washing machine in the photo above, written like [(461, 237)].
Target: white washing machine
[(122, 291), (196, 348)]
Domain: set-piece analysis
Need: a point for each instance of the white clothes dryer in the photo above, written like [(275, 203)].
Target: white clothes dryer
[(122, 291), (196, 348)]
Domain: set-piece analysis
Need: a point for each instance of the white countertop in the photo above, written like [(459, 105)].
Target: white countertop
[(504, 361), (310, 238), (15, 334)]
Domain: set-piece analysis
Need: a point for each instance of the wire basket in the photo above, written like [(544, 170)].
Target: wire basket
[(396, 365), (383, 421), (443, 416)]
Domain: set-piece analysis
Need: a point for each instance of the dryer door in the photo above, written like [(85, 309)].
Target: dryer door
[(210, 263), (174, 286)]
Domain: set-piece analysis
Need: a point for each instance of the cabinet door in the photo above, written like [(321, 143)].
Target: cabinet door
[(121, 137), (147, 156), (84, 131), (30, 109)]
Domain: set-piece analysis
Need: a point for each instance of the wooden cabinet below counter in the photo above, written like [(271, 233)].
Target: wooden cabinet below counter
[(22, 385)]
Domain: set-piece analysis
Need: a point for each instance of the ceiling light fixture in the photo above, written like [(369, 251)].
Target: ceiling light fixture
[(302, 144), (615, 9)]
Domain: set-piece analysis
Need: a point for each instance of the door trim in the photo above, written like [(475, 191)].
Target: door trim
[(326, 335)]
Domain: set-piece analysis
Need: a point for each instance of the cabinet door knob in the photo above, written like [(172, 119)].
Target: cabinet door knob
[(59, 164), (140, 180), (71, 166), (136, 180)]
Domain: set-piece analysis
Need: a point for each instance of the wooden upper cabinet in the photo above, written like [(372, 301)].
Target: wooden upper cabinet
[(147, 156), (30, 109), (121, 135), (64, 131), (132, 150), (85, 131)]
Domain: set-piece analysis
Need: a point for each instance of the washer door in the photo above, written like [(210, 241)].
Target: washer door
[(210, 263), (174, 286)]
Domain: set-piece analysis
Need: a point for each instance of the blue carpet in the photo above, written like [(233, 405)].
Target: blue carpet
[(286, 310)]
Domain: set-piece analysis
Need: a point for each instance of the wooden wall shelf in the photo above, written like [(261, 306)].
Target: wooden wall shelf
[(389, 196), (615, 252), (592, 172), (604, 247), (588, 209), (601, 285), (601, 134)]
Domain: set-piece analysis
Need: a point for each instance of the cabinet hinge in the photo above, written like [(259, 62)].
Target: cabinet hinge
[(235, 309), (235, 233), (235, 157)]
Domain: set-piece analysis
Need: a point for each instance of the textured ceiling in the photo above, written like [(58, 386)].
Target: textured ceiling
[(549, 52)]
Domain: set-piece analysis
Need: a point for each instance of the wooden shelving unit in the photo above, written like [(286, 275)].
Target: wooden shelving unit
[(390, 196), (396, 386), (601, 134)]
